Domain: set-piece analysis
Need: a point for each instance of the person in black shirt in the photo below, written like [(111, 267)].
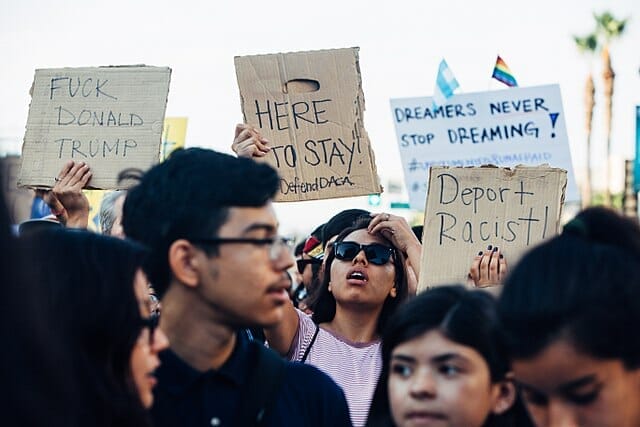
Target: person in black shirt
[(218, 264)]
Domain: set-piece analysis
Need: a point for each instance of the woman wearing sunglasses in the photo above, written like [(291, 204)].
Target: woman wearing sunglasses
[(95, 298), (363, 282)]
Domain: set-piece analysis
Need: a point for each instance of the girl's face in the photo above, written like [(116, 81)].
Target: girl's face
[(144, 356), (563, 386), (434, 381), (359, 280)]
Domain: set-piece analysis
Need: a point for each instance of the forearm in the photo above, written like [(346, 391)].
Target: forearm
[(78, 219), (281, 335), (414, 255)]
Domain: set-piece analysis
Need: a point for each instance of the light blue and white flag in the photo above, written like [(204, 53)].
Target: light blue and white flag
[(446, 84)]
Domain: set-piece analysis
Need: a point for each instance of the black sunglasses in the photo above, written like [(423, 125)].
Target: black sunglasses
[(151, 323), (375, 253), (302, 263)]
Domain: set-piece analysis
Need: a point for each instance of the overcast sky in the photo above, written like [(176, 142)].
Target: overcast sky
[(401, 44)]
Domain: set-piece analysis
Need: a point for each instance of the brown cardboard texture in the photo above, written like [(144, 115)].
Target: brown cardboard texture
[(310, 105), (109, 117), (469, 209), (18, 200)]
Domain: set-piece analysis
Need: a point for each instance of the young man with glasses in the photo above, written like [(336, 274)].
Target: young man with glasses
[(218, 265)]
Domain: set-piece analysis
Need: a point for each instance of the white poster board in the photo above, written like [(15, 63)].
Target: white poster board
[(503, 128)]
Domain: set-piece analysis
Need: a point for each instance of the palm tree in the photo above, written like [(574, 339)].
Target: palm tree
[(587, 45), (608, 28)]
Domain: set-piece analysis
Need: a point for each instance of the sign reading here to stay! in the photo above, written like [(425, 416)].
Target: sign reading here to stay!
[(109, 117), (468, 209), (309, 105)]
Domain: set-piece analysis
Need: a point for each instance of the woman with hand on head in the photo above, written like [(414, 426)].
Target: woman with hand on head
[(444, 364), (95, 298), (363, 283), (397, 230), (569, 310), (370, 272)]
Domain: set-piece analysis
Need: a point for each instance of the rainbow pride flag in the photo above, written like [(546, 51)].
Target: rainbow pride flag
[(503, 74)]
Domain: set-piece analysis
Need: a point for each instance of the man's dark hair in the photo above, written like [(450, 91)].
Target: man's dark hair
[(582, 286), (188, 196)]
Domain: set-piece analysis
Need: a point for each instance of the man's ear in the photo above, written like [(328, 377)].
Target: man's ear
[(184, 260), (504, 395)]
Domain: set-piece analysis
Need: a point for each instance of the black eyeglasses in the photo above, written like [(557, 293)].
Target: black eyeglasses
[(151, 324), (276, 244), (302, 263), (375, 253)]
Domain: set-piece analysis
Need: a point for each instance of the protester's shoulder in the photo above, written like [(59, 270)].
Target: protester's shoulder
[(323, 398), (306, 327), (301, 372), (312, 382), (303, 317)]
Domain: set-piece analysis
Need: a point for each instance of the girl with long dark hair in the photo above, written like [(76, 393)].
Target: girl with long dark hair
[(444, 363), (94, 296)]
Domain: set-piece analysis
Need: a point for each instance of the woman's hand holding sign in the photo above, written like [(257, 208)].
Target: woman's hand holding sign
[(488, 268)]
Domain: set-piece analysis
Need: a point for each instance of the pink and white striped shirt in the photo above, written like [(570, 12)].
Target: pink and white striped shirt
[(353, 366)]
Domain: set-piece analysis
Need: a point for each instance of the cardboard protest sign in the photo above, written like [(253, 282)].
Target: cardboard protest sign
[(109, 117), (18, 200), (173, 135), (95, 200), (310, 106), (503, 128), (470, 208)]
